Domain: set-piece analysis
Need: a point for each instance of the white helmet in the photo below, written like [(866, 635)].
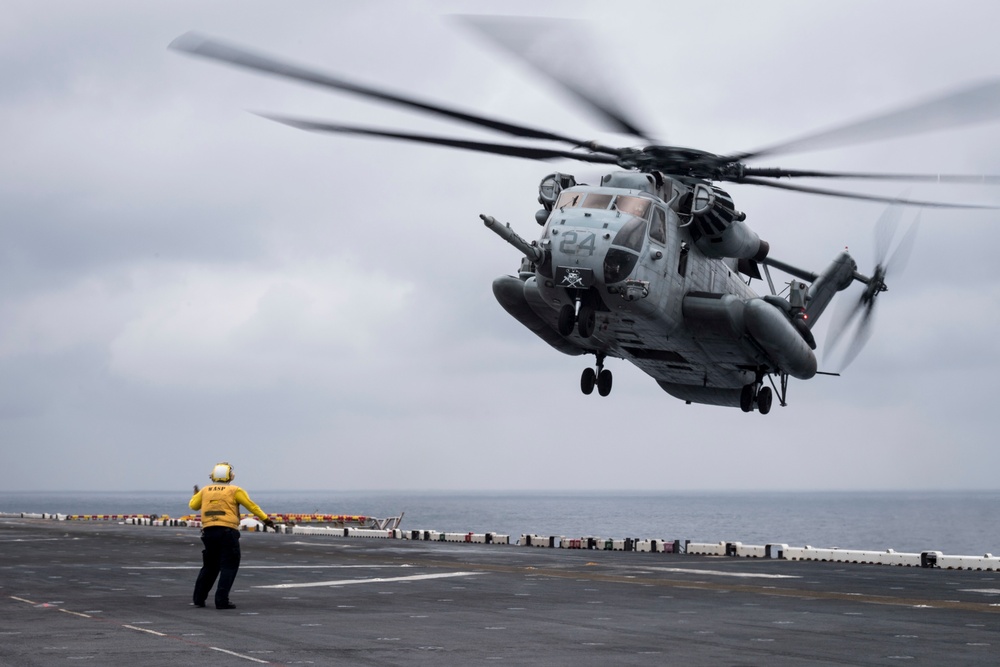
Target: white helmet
[(222, 472)]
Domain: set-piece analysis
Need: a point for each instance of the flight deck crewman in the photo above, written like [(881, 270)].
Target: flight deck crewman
[(220, 503)]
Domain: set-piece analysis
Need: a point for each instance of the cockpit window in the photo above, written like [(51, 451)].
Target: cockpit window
[(658, 228), (631, 234), (595, 200), (569, 199), (636, 206)]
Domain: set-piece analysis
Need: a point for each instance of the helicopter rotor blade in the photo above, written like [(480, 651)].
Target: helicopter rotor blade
[(846, 323), (557, 50), (841, 319), (196, 44), (964, 179), (975, 104), (900, 257), (529, 152), (863, 333), (885, 231), (848, 311), (861, 196)]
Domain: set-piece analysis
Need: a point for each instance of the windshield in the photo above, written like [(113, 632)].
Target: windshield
[(596, 200), (569, 199), (636, 206), (631, 234)]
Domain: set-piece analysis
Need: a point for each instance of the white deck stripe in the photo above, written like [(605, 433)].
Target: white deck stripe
[(263, 567), (147, 630), (239, 655), (377, 580), (723, 573)]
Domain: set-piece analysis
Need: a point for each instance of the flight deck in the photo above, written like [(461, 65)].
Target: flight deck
[(112, 594)]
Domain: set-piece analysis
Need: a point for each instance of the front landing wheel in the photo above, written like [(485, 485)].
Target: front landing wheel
[(567, 318), (588, 380)]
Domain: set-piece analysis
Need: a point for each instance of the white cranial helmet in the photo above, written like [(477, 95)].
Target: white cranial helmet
[(222, 472)]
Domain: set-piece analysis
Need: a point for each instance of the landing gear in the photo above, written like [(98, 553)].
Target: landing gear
[(567, 317), (585, 321), (604, 380), (582, 317), (761, 397), (764, 398), (601, 378)]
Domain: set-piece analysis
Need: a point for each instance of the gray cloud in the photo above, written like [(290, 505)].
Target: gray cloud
[(184, 282)]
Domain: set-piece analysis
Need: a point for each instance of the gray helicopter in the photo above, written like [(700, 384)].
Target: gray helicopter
[(654, 264)]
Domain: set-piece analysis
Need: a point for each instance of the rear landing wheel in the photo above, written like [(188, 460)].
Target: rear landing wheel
[(604, 380), (764, 397), (746, 398), (588, 380)]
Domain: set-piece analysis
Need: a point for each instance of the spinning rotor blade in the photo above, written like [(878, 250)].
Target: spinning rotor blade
[(529, 152), (968, 179), (971, 105), (900, 258), (861, 337), (558, 50), (976, 104), (858, 195), (206, 47), (864, 305), (844, 316)]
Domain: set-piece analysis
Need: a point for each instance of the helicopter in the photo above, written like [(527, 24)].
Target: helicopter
[(654, 263)]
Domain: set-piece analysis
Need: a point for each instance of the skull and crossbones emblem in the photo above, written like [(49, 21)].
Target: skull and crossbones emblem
[(573, 279)]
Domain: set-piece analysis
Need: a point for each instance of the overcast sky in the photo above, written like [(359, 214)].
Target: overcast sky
[(183, 282)]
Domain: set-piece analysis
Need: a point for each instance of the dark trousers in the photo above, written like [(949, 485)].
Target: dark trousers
[(220, 558)]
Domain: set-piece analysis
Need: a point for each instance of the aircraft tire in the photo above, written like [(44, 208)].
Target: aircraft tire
[(588, 380), (567, 315), (764, 397), (587, 320), (604, 380), (746, 398)]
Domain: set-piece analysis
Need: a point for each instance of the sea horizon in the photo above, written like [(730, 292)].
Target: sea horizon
[(960, 522)]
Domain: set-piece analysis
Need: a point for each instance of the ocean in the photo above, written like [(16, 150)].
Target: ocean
[(955, 523)]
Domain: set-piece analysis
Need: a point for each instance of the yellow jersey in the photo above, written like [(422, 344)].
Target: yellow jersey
[(220, 505)]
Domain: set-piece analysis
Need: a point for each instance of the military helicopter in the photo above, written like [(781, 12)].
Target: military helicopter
[(653, 265)]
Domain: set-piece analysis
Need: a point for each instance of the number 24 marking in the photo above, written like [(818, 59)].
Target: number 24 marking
[(570, 246)]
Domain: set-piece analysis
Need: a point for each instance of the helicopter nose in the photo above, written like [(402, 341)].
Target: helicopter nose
[(579, 248)]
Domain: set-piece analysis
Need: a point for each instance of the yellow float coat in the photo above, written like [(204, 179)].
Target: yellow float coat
[(220, 505)]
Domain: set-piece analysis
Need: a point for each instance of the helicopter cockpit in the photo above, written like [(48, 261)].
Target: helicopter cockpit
[(632, 212)]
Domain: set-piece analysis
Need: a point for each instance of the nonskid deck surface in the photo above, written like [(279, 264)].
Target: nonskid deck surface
[(120, 595)]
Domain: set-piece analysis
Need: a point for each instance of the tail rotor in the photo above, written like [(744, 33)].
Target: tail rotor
[(857, 316)]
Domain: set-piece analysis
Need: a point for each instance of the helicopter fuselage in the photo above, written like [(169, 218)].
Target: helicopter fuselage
[(621, 272)]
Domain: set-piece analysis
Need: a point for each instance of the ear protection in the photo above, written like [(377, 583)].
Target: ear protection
[(222, 472)]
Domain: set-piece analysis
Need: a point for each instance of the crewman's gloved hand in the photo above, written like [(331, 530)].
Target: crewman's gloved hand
[(269, 524), (196, 488)]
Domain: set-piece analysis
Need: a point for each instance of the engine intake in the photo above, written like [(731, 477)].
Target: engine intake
[(717, 228)]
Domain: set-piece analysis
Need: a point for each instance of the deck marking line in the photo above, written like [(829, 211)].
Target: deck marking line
[(159, 634), (239, 655), (985, 591), (34, 539), (264, 567), (376, 580), (152, 632), (723, 573)]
